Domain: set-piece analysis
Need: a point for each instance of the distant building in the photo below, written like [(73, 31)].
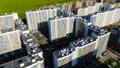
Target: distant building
[(78, 4), (86, 3), (89, 10), (69, 6), (102, 37), (7, 21), (106, 18), (73, 6)]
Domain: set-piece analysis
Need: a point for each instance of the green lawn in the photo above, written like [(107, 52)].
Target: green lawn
[(118, 66), (109, 61), (20, 6)]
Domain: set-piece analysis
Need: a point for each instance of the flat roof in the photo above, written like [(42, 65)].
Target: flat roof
[(39, 37), (63, 52), (83, 41), (98, 30)]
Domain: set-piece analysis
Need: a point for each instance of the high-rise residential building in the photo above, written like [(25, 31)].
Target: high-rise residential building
[(97, 7), (98, 19), (35, 53), (113, 5), (39, 18), (92, 46), (83, 47), (69, 6), (78, 4), (82, 12), (65, 6), (86, 3), (89, 10), (89, 2), (106, 18), (116, 16), (82, 25), (102, 37), (61, 27), (115, 38), (10, 43), (7, 21), (73, 6), (63, 58), (105, 6), (71, 55), (102, 1), (14, 51)]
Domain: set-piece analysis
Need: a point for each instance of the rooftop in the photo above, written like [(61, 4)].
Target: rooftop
[(63, 52), (31, 45), (39, 37), (44, 8), (98, 30), (83, 41), (63, 14), (29, 41), (7, 14), (8, 30), (20, 25), (83, 20)]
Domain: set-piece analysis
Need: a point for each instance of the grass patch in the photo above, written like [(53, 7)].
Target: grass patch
[(20, 6), (39, 43), (118, 65), (98, 58), (109, 61)]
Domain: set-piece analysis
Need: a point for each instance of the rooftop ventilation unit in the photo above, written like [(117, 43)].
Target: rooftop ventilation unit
[(33, 60), (62, 54), (22, 64), (0, 32), (13, 29)]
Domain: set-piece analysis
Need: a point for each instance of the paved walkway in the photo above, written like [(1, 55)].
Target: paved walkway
[(105, 58)]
